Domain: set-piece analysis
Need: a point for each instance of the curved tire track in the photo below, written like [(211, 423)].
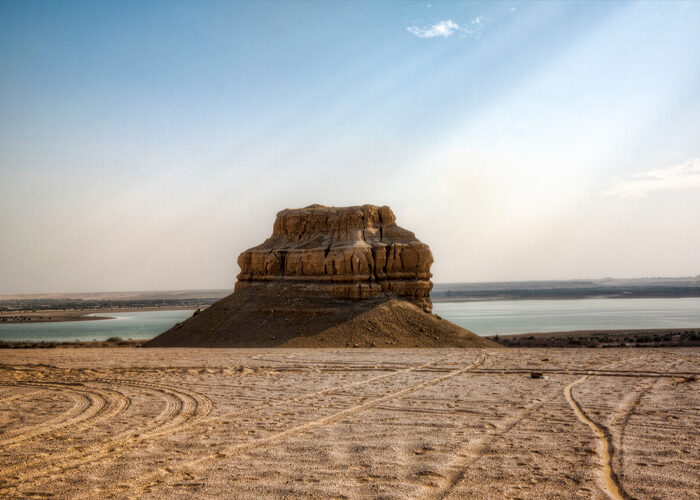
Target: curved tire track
[(103, 404), (19, 395), (87, 405), (330, 390), (162, 424), (624, 414), (612, 485), (151, 479), (477, 449), (181, 406)]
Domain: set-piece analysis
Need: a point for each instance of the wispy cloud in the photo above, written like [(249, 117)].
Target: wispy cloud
[(443, 29), (681, 176), (475, 26), (447, 28)]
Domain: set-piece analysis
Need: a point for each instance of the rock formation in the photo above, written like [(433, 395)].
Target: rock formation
[(328, 276), (348, 252)]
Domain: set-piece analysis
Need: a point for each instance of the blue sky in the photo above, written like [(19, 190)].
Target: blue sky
[(143, 145)]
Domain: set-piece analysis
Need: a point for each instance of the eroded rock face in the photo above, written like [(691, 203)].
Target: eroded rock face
[(348, 252)]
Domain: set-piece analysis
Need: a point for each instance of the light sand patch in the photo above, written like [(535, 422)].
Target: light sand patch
[(347, 423)]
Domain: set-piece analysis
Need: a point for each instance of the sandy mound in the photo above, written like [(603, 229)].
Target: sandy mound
[(253, 318)]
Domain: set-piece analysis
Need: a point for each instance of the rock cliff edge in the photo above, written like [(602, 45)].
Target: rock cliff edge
[(348, 252)]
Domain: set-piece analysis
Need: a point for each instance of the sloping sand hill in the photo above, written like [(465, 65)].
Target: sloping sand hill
[(253, 318)]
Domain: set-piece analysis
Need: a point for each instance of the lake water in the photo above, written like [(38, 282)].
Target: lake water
[(531, 316), (135, 325), (484, 318)]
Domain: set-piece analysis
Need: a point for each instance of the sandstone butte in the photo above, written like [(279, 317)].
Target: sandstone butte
[(328, 277)]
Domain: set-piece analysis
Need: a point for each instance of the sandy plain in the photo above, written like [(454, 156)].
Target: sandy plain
[(350, 423)]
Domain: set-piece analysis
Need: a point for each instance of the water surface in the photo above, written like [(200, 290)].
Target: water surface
[(530, 316), (484, 318), (134, 325)]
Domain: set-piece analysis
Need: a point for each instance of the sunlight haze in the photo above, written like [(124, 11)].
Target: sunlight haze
[(144, 145)]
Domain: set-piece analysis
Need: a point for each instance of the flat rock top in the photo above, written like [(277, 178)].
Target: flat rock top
[(305, 223)]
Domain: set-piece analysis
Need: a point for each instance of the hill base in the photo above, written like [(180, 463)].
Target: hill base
[(285, 316)]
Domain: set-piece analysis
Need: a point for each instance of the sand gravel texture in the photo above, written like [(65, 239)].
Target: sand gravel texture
[(350, 423)]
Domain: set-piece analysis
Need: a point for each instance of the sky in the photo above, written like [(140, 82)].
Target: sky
[(144, 145)]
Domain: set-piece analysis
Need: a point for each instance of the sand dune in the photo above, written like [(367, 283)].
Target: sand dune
[(350, 423)]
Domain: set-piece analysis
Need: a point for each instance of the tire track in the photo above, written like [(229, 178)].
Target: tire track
[(19, 395), (104, 405), (626, 413), (150, 480), (180, 407), (126, 440), (131, 438), (477, 449), (612, 485), (324, 392), (86, 406), (331, 390), (597, 373)]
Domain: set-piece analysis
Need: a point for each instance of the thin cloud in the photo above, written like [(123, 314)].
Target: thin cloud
[(447, 28), (475, 26), (443, 29), (684, 175)]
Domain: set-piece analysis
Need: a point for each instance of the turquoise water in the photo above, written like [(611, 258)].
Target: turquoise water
[(531, 316), (484, 318), (134, 325)]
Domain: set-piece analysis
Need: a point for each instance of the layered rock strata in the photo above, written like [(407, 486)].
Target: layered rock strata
[(348, 252), (327, 277)]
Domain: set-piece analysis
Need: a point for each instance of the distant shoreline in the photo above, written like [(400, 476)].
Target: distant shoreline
[(52, 316), (74, 313), (60, 307), (492, 298), (563, 294), (118, 342), (651, 337), (632, 337)]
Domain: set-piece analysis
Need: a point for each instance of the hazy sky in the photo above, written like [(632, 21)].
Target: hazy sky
[(144, 145)]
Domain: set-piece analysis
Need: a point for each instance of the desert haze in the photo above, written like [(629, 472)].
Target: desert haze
[(350, 423)]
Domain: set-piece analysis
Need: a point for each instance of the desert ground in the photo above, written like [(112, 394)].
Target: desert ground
[(350, 423)]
